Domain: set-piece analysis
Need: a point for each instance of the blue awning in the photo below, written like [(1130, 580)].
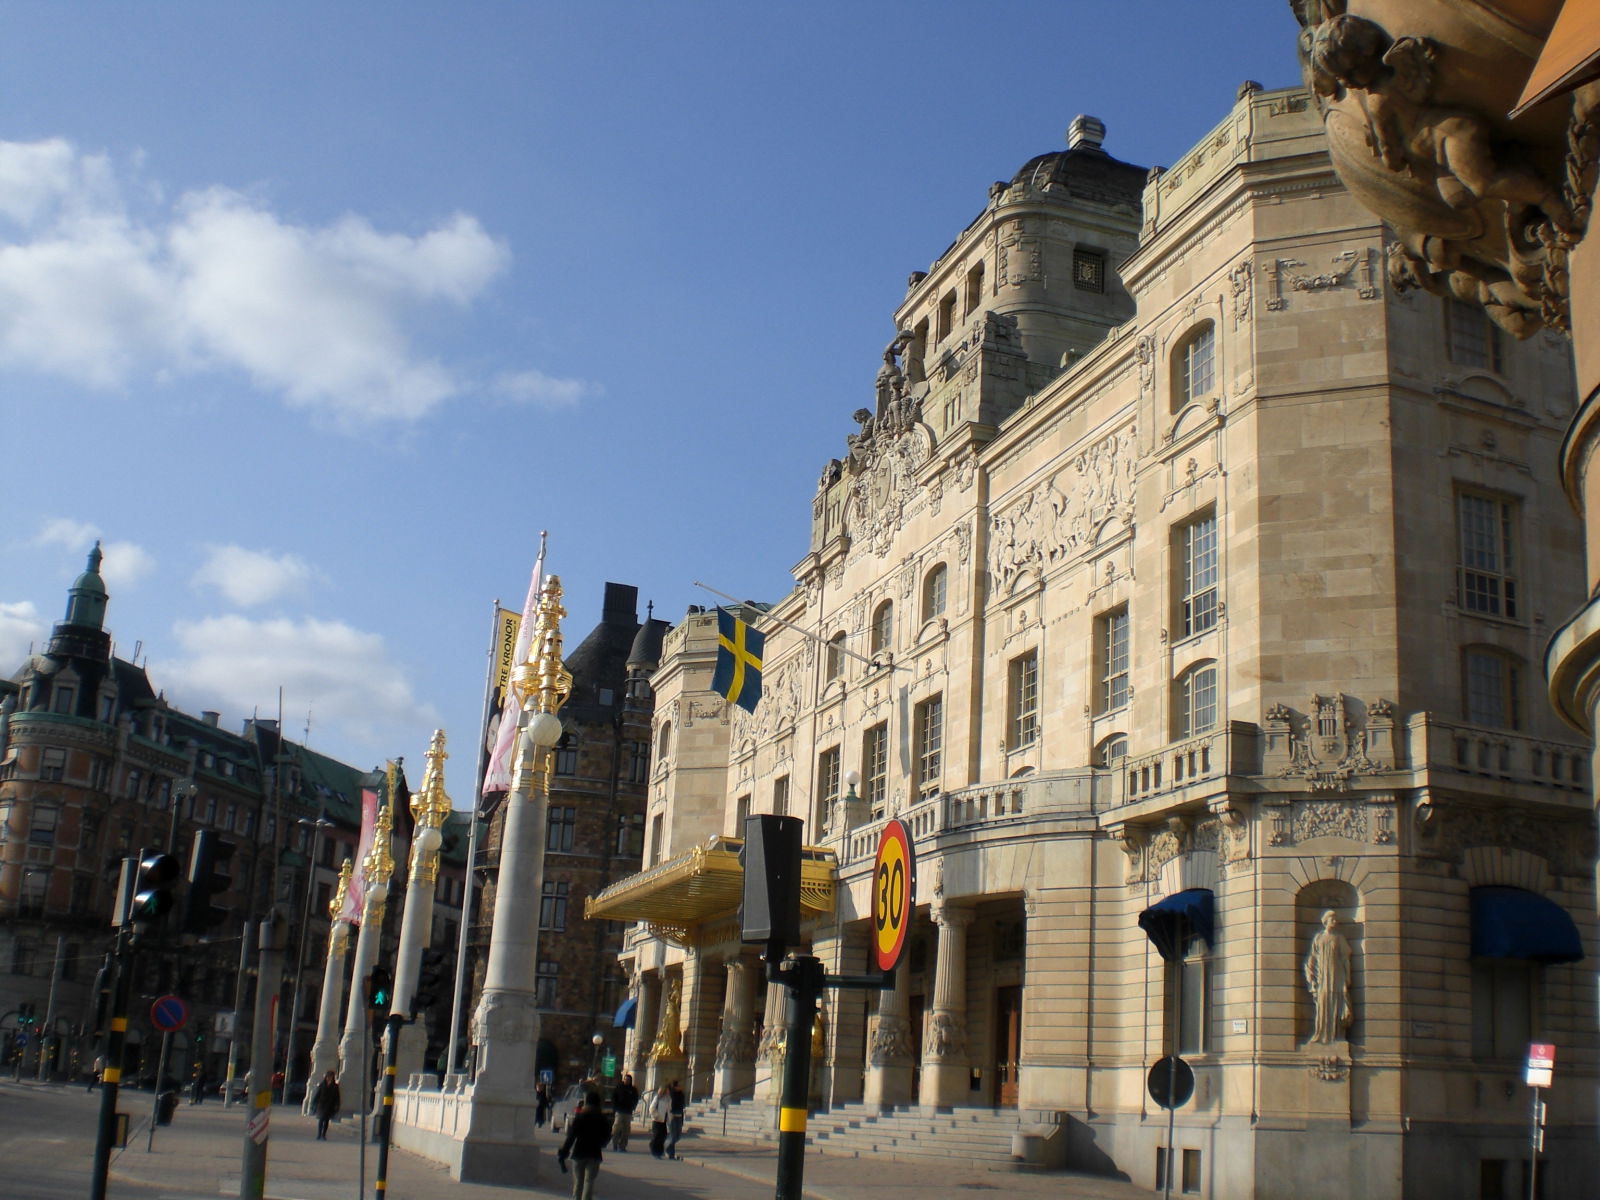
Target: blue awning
[(1170, 923), (627, 1011), (1511, 922)]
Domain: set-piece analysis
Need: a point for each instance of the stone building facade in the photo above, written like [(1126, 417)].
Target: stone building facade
[(95, 766), (1183, 593)]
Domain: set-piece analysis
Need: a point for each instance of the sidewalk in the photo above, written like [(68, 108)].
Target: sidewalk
[(201, 1153)]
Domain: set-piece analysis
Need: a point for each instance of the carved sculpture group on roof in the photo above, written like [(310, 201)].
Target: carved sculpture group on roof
[(1476, 221)]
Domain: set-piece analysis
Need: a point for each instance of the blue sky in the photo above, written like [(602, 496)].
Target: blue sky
[(317, 313)]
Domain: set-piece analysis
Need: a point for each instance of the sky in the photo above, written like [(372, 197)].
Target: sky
[(316, 314)]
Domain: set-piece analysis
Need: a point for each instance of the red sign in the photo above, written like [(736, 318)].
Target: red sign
[(1541, 1064), (169, 1014), (893, 894)]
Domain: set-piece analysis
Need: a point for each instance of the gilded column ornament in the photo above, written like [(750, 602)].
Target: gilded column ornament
[(377, 869), (430, 806), (325, 1049)]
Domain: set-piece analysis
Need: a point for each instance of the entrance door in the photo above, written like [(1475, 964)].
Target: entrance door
[(1007, 1045)]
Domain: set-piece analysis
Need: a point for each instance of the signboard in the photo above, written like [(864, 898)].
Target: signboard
[(222, 1024), (169, 1014), (608, 1066), (256, 1127), (1541, 1064), (894, 878), (1171, 1082)]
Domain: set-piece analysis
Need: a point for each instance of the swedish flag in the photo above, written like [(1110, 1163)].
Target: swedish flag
[(739, 653)]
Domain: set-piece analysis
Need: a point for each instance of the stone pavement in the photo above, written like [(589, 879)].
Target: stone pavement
[(201, 1152)]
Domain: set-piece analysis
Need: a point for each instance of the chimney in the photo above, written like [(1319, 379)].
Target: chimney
[(1086, 132)]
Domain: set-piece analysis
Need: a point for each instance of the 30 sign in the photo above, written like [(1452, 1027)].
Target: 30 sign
[(894, 878)]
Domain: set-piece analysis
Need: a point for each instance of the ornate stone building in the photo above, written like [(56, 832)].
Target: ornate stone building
[(1183, 592)]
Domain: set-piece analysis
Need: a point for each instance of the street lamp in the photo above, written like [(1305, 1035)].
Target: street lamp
[(594, 1067), (316, 828)]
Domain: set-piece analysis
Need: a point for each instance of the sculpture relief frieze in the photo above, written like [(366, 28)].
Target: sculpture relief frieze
[(1331, 745)]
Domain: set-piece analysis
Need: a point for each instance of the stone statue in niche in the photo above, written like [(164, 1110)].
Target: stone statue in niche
[(1327, 972)]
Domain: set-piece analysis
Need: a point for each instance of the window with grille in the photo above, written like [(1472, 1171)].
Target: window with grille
[(1196, 701), (1197, 561), (1492, 685), (1088, 270), (828, 776), (875, 767), (928, 731), (553, 906), (1486, 531), (1111, 654), (1194, 367), (1024, 700), (562, 828)]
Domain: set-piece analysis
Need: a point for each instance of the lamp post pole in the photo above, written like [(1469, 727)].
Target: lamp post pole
[(316, 828)]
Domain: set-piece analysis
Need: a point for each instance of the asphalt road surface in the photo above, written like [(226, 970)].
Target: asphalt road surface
[(47, 1142)]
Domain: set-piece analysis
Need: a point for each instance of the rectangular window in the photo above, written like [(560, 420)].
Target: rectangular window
[(52, 764), (1474, 339), (135, 782), (1024, 701), (828, 776), (563, 825), (630, 835), (780, 796), (42, 830), (553, 906), (545, 984), (947, 315), (638, 762), (974, 289), (928, 727), (1492, 683), (657, 839), (1187, 1001), (1196, 368), (65, 698), (1111, 646), (1196, 702), (1088, 270), (1486, 527), (1197, 560), (875, 767), (1503, 991), (741, 814)]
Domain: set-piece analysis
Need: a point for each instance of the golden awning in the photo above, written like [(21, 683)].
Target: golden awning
[(706, 882)]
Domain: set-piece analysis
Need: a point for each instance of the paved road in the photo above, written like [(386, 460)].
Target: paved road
[(47, 1143)]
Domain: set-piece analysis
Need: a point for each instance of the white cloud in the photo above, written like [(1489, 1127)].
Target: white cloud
[(20, 626), (535, 387), (124, 563), (248, 577), (96, 292), (342, 674)]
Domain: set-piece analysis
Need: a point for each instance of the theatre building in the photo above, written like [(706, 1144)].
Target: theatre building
[(1183, 589)]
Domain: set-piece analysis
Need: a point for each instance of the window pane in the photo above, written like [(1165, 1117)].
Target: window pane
[(1199, 554), (1024, 700), (1113, 651), (930, 743), (875, 767)]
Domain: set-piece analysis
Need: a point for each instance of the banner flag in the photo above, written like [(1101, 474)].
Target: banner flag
[(497, 777), (739, 653), (502, 658), (356, 893)]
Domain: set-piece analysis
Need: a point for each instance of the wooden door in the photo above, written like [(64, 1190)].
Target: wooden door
[(1007, 1045)]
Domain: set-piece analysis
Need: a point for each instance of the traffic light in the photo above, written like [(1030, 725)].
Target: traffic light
[(430, 981), (771, 859), (207, 881), (152, 888), (380, 988), (25, 1017)]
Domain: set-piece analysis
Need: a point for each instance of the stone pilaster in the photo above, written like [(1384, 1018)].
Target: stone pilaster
[(703, 981), (648, 991), (736, 1043), (946, 1066)]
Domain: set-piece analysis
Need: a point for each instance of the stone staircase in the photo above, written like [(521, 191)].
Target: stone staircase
[(976, 1136)]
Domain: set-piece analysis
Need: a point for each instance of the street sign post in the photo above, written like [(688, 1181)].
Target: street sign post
[(169, 1014), (1541, 1070), (1541, 1064), (894, 880), (1170, 1084)]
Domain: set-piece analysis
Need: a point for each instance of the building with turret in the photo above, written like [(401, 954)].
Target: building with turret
[(1182, 591)]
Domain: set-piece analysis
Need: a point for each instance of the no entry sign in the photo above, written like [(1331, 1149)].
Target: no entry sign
[(169, 1014), (894, 878)]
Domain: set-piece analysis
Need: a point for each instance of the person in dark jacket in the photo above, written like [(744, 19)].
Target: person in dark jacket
[(625, 1099), (325, 1103), (587, 1134), (675, 1129)]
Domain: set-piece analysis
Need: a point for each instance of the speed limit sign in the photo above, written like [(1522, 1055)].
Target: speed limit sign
[(894, 878)]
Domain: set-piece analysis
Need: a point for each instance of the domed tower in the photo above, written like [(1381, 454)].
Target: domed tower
[(67, 677)]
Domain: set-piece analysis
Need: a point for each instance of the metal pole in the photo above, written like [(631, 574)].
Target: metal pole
[(803, 975), (1533, 1148), (48, 1035), (111, 1076), (391, 1053), (366, 1080), (238, 1003), (155, 1104), (258, 1126)]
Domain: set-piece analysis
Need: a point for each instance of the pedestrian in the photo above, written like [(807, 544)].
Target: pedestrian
[(624, 1099), (541, 1104), (325, 1104), (660, 1111), (587, 1134), (97, 1072), (677, 1103)]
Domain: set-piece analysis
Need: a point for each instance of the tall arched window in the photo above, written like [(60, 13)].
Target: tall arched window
[(664, 741), (935, 591), (1194, 371), (1195, 700), (834, 665), (882, 627)]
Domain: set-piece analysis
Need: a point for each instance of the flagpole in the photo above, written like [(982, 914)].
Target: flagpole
[(452, 1058), (870, 660)]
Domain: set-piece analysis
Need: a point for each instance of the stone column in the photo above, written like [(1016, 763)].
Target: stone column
[(430, 806), (498, 1146), (849, 952), (325, 1050), (891, 1056), (377, 867), (648, 990), (946, 1069), (736, 1044), (702, 1018), (769, 1051)]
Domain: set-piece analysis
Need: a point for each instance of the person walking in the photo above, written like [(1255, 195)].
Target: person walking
[(624, 1099), (97, 1072), (676, 1102), (325, 1104), (660, 1112), (541, 1104), (587, 1134)]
